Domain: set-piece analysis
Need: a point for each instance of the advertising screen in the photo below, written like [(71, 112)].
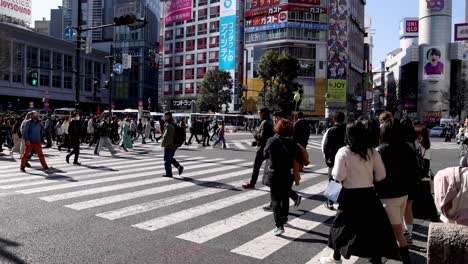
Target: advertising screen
[(20, 10), (434, 63), (179, 10)]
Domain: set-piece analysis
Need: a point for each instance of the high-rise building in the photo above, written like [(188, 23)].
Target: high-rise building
[(208, 39), (56, 23), (140, 82), (42, 26)]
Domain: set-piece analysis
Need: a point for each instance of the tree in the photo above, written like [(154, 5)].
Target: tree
[(216, 90), (278, 72)]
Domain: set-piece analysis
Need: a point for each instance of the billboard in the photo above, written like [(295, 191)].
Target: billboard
[(434, 63), (20, 10), (179, 10), (267, 20), (409, 27), (286, 7), (461, 32), (337, 91), (227, 35), (338, 40)]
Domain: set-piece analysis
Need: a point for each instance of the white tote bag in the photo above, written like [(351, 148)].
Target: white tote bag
[(333, 191)]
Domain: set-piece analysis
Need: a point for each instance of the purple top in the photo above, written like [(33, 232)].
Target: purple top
[(438, 69)]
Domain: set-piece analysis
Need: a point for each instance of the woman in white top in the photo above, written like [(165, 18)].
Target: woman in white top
[(66, 137), (361, 227)]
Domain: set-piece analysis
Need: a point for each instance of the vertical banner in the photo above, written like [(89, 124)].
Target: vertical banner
[(179, 10), (227, 43)]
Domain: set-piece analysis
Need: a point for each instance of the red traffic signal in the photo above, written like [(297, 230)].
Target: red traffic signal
[(124, 20)]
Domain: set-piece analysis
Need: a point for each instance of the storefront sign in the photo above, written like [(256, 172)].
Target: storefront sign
[(461, 32), (286, 25), (432, 117), (20, 10), (267, 20), (279, 9), (409, 27), (337, 91), (181, 104), (179, 10)]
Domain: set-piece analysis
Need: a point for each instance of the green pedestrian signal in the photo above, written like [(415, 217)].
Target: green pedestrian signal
[(33, 78)]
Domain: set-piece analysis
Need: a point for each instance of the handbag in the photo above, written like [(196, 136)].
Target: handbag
[(333, 191)]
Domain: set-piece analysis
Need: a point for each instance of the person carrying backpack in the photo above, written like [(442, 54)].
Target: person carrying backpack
[(171, 139)]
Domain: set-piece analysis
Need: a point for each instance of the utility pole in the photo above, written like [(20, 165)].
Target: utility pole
[(78, 57)]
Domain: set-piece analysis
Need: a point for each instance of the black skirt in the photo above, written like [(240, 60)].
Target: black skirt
[(361, 227)]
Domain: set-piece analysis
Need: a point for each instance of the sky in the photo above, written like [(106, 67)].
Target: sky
[(385, 15)]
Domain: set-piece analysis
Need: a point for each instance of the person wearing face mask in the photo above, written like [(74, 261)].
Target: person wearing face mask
[(32, 139), (74, 133)]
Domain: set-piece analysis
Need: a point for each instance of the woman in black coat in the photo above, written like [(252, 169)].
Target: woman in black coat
[(280, 151)]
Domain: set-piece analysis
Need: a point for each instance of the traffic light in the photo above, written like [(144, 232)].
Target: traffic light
[(124, 20), (33, 78)]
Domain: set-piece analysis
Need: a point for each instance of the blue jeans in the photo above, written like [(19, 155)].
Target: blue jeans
[(220, 138), (169, 160)]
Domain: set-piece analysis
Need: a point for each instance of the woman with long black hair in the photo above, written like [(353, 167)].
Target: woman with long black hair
[(361, 227)]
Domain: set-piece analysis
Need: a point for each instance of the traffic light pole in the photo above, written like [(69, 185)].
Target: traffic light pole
[(78, 57)]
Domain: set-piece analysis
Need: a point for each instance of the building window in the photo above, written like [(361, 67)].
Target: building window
[(189, 58), (214, 41), (198, 87), (190, 31), (202, 2), (201, 58), (178, 88), (168, 75), (167, 62), (201, 72), (5, 47), (189, 88), (213, 68), (32, 54), (201, 43), (168, 48), (178, 74), (178, 60), (18, 62), (56, 81), (169, 34), (214, 26), (214, 11), (44, 79), (202, 14), (189, 73), (201, 29), (68, 63), (214, 1), (167, 88), (45, 59), (190, 44), (213, 57), (179, 33), (68, 82), (88, 84), (179, 46)]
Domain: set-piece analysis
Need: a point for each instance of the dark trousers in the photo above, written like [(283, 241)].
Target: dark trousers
[(170, 160), (259, 158), (206, 139), (191, 136), (49, 139), (66, 142), (280, 203), (75, 151), (97, 145)]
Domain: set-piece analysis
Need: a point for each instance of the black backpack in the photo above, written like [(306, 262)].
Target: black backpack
[(179, 136)]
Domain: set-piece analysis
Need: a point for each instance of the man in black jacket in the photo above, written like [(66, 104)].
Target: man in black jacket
[(301, 131), (334, 139), (206, 132), (74, 132), (263, 132)]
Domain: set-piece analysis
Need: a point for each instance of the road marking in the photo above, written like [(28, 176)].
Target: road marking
[(327, 252), (239, 145), (151, 191), (214, 230), (171, 219), (267, 244), (69, 195), (147, 171)]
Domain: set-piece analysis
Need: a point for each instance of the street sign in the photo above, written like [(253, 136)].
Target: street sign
[(118, 69), (68, 33), (126, 61)]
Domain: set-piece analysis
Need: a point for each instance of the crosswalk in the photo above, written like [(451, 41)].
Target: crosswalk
[(246, 144), (205, 205), (445, 145)]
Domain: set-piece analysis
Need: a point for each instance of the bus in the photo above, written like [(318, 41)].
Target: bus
[(232, 122), (131, 113), (62, 112), (157, 116)]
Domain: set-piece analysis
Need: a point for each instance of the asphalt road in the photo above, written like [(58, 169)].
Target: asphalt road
[(121, 211)]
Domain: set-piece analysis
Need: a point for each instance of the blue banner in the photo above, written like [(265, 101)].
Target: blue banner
[(227, 43)]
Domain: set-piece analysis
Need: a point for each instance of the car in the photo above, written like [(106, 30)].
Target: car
[(436, 132)]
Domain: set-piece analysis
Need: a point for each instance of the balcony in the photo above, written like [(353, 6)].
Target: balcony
[(188, 48), (213, 45), (213, 60), (188, 77), (177, 50), (189, 62), (168, 51)]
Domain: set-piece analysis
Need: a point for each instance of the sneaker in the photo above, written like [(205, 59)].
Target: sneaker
[(67, 159), (167, 176), (329, 260), (181, 170), (408, 237), (247, 185), (77, 163), (28, 165), (329, 205), (268, 208), (278, 231), (297, 203), (22, 169)]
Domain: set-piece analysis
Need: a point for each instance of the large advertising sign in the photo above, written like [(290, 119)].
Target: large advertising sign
[(179, 10), (18, 9), (267, 20), (409, 27), (461, 32), (281, 8), (434, 64), (338, 40), (336, 91), (227, 35)]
